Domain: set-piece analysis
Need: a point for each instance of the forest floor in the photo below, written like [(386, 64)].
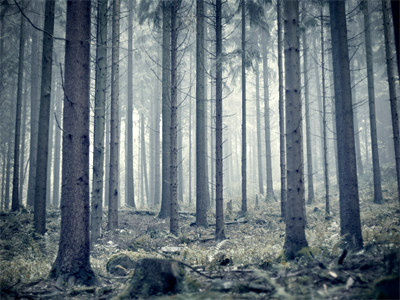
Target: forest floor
[(247, 265)]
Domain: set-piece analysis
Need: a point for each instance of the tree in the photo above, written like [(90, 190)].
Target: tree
[(114, 134), (129, 190), (44, 120), (57, 148), (259, 160), (282, 130), (244, 160), (295, 238), (72, 264), (99, 120), (166, 110), (174, 120), (350, 225), (392, 92), (267, 123), (202, 193), (371, 104), (17, 132), (310, 180), (396, 25), (219, 200)]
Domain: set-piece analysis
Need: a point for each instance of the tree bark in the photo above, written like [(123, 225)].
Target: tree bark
[(72, 265), (244, 149), (57, 149), (371, 104), (202, 192), (295, 238), (129, 190), (392, 92), (350, 225), (395, 4), (219, 200), (259, 160), (99, 120)]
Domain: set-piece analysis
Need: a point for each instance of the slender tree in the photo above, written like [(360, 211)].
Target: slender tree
[(395, 4), (350, 225), (17, 133), (72, 264), (166, 110), (99, 120), (282, 129), (244, 144), (57, 149), (219, 200), (114, 134), (371, 104), (129, 190), (392, 92), (295, 238), (201, 146)]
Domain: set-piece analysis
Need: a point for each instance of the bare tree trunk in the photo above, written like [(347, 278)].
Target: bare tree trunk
[(202, 193), (244, 142), (17, 133), (99, 120), (395, 4), (190, 130), (114, 134), (282, 130), (350, 226), (219, 200), (295, 238), (143, 160), (57, 148), (392, 92), (310, 175), (173, 225), (44, 122), (50, 151), (371, 105), (22, 156), (8, 173), (72, 265), (259, 160), (157, 149), (166, 111), (129, 190)]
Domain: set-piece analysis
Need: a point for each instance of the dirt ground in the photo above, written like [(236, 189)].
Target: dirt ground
[(248, 265)]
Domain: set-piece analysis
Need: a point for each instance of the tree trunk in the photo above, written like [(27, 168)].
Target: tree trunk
[(8, 174), (34, 94), (166, 111), (22, 156), (72, 265), (143, 160), (259, 149), (324, 122), (157, 181), (396, 25), (268, 155), (310, 180), (129, 190), (244, 149), (219, 200), (295, 238), (282, 130), (17, 133), (190, 131), (350, 226), (57, 149), (392, 92), (173, 225), (50, 151), (114, 134), (371, 105), (202, 192), (180, 149), (99, 120)]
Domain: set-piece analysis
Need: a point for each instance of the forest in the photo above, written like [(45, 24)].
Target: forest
[(199, 149)]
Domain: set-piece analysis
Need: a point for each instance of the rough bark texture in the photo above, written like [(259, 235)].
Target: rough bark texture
[(244, 149), (392, 92), (268, 155), (57, 148), (201, 146), (295, 238), (282, 130), (173, 225), (310, 175), (219, 200), (99, 120), (166, 112), (17, 133), (371, 104), (129, 190), (114, 134), (72, 264), (350, 226), (396, 25)]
